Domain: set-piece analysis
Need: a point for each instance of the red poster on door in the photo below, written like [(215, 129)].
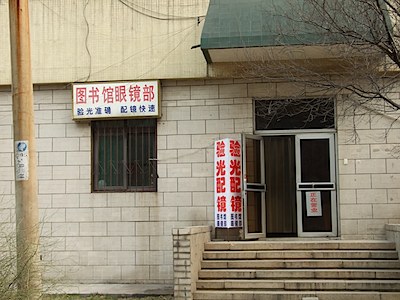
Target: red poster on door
[(313, 204)]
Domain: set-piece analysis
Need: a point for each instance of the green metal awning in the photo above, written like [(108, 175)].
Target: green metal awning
[(231, 25)]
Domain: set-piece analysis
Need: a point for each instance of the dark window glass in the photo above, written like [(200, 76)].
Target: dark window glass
[(294, 114), (124, 155), (315, 160)]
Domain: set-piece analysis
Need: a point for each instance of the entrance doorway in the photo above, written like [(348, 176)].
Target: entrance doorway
[(289, 185), (280, 196)]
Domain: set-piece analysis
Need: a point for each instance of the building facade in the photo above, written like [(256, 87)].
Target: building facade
[(93, 233)]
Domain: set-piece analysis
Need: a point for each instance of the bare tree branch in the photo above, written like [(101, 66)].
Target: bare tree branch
[(360, 41)]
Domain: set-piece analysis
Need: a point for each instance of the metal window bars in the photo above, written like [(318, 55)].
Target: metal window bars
[(124, 155)]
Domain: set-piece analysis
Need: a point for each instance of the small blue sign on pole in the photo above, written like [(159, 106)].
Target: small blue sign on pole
[(21, 160)]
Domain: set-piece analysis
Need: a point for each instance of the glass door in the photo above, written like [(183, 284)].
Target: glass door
[(253, 186), (316, 185)]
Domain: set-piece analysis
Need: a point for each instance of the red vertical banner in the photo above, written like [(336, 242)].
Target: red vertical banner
[(227, 183)]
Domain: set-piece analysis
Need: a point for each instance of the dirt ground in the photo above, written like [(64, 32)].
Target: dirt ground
[(103, 297)]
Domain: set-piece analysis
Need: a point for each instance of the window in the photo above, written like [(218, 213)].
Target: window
[(287, 114), (124, 155)]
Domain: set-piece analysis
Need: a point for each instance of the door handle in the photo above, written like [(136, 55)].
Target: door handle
[(255, 187), (315, 186)]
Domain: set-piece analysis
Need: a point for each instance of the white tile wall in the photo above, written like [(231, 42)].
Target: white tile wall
[(109, 237), (368, 183)]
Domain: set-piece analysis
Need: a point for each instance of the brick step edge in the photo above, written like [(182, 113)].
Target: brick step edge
[(290, 285)]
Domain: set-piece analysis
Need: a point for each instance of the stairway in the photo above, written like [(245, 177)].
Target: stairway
[(299, 270)]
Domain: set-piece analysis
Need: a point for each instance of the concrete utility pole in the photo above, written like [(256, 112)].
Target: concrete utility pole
[(27, 213)]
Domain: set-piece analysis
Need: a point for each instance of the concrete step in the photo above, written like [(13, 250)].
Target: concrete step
[(299, 270), (300, 273), (300, 284), (300, 264), (296, 254), (294, 295), (300, 245)]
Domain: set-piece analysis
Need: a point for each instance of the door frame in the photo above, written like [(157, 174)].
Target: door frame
[(259, 135), (253, 187), (333, 175)]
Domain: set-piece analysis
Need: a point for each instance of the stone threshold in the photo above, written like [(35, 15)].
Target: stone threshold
[(110, 289)]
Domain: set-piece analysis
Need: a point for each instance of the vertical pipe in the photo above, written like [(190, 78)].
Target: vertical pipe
[(26, 207)]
